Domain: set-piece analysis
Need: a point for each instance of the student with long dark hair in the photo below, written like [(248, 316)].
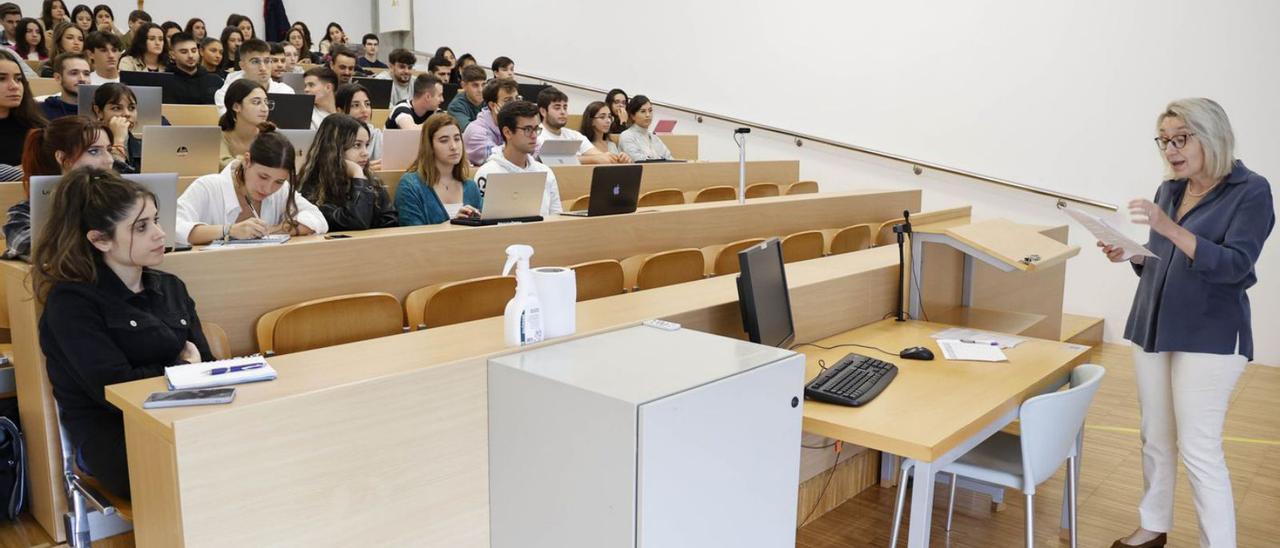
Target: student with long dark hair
[(353, 100), (104, 20), (53, 13), (638, 141), (617, 101), (18, 115), (231, 39), (196, 28), (109, 317), (437, 186), (148, 51), (67, 143), (333, 36), (116, 107), (247, 111), (31, 40), (170, 28), (338, 180), (244, 23), (82, 18), (249, 199), (211, 56), (596, 124)]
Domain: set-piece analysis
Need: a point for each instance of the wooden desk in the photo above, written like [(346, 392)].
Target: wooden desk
[(575, 181), (934, 411)]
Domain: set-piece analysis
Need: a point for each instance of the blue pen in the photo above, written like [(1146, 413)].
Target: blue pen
[(234, 369), (992, 343)]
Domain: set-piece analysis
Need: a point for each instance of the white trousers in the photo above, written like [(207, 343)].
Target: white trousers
[(1184, 397)]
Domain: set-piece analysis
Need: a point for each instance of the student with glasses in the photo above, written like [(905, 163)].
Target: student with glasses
[(255, 64), (617, 101), (482, 137), (596, 127), (1190, 320), (520, 125), (637, 141), (247, 108)]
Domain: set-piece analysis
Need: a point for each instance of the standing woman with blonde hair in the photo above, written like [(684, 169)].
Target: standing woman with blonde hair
[(1190, 320)]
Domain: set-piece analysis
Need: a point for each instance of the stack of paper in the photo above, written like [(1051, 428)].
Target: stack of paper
[(268, 240), (1002, 340), (953, 349), (1107, 234), (219, 373)]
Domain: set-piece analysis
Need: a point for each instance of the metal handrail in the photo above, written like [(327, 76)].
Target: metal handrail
[(917, 166)]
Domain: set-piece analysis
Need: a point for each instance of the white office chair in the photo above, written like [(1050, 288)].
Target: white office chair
[(90, 516), (1050, 425)]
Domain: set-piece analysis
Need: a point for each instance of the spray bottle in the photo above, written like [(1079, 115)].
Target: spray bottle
[(522, 320)]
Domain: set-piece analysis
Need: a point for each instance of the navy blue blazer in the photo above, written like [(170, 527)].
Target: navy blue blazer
[(1202, 306)]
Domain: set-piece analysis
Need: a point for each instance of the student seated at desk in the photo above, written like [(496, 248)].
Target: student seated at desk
[(72, 70), (247, 111), (441, 68), (18, 114), (353, 100), (466, 105), (596, 128), (65, 144), (400, 74), (617, 101), (67, 38), (249, 199), (147, 52), (504, 67), (436, 187), (320, 82), (520, 128), (255, 64), (30, 45), (482, 136), (116, 107), (370, 58), (231, 41), (108, 316), (553, 104), (196, 28), (637, 141), (337, 178), (467, 60), (428, 93), (104, 56), (211, 56), (192, 84)]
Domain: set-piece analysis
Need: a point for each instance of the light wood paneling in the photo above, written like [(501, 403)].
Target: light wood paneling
[(44, 86), (190, 115), (828, 490), (575, 181)]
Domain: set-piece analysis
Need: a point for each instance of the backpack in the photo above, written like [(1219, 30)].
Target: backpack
[(13, 470)]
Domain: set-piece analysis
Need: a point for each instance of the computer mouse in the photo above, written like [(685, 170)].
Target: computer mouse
[(916, 353)]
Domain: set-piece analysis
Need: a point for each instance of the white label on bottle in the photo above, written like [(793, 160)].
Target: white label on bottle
[(531, 326)]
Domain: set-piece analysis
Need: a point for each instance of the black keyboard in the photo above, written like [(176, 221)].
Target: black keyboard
[(853, 381)]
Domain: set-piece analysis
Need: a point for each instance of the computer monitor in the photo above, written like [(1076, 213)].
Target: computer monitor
[(763, 296)]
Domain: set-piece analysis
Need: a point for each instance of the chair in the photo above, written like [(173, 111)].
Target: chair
[(802, 187), (219, 344), (884, 234), (580, 204), (762, 190), (661, 197), (727, 258), (716, 194), (597, 279), (85, 497), (851, 238), (456, 302), (803, 246), (329, 321), (669, 268), (1050, 430)]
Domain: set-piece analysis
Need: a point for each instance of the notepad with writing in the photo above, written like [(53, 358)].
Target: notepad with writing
[(219, 373)]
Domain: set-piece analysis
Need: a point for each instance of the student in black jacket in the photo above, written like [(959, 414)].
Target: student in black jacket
[(108, 316), (192, 84), (336, 177)]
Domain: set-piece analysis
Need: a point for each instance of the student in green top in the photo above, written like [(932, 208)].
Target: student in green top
[(437, 187)]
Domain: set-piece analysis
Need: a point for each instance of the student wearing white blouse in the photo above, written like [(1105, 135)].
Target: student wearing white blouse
[(638, 141), (251, 198)]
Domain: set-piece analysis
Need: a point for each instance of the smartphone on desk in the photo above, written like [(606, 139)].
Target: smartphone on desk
[(183, 398)]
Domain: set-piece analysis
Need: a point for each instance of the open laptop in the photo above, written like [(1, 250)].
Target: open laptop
[(149, 101), (529, 92), (162, 80), (301, 140), (379, 91), (293, 80), (163, 185), (399, 148), (510, 198), (290, 111), (664, 127), (614, 191), (189, 151), (560, 152)]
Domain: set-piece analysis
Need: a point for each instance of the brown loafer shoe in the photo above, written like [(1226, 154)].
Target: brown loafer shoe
[(1157, 542)]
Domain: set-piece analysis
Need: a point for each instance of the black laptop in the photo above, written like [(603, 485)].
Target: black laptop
[(379, 91), (162, 80), (289, 111), (614, 191), (450, 91), (529, 92)]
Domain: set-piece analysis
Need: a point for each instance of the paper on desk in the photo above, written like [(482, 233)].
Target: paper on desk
[(1107, 234), (966, 334), (953, 349)]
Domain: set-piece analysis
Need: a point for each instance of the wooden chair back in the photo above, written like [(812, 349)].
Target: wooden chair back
[(597, 279), (219, 344), (803, 246), (762, 190), (329, 321), (727, 258), (670, 267), (44, 86), (580, 204), (190, 115), (661, 197), (716, 194), (802, 187), (851, 238), (884, 234), (456, 302)]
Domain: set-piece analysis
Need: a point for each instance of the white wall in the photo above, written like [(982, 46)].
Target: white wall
[(1060, 95), (355, 17)]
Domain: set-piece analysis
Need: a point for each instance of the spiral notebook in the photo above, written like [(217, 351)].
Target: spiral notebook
[(219, 373)]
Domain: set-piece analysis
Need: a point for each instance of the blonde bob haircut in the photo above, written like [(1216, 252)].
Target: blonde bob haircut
[(1208, 121)]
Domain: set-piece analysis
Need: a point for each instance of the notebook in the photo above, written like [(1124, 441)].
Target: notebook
[(228, 372), (269, 239)]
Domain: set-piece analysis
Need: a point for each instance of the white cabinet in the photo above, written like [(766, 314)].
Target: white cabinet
[(647, 438)]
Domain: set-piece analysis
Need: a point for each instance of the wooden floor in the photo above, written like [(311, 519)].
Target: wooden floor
[(1110, 482)]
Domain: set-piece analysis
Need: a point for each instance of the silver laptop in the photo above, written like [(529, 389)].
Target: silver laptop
[(163, 185), (189, 151), (293, 80), (560, 152), (149, 101), (399, 148), (301, 140), (509, 198)]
